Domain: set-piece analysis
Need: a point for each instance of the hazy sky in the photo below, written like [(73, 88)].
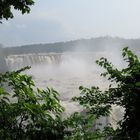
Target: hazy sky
[(62, 20)]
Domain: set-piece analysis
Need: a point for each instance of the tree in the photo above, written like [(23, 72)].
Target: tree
[(124, 91), (6, 7), (80, 127), (27, 112)]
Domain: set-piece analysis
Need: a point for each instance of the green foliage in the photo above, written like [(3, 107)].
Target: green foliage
[(81, 127), (124, 91), (6, 7), (27, 112)]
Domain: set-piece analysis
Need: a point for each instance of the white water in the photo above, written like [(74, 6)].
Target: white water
[(65, 73)]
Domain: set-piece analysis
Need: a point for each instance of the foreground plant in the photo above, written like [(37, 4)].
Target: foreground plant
[(27, 112), (124, 91)]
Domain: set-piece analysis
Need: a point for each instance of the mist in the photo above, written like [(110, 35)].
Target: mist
[(70, 68), (74, 69)]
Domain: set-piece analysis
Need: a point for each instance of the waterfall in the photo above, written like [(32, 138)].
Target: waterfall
[(18, 61), (65, 73), (3, 66)]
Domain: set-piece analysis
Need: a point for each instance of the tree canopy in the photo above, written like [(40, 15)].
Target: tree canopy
[(6, 7), (124, 91)]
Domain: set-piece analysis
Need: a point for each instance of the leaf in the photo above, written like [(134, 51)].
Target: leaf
[(138, 84)]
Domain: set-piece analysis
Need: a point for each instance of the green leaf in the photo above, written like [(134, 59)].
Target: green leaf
[(138, 84)]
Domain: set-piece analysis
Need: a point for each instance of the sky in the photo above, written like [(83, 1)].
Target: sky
[(63, 20)]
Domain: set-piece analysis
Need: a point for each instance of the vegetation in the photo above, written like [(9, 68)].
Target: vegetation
[(28, 112), (81, 45), (6, 7), (124, 91)]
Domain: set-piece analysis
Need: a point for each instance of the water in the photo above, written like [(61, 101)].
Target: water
[(65, 72)]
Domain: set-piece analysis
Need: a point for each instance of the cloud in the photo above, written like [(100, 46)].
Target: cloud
[(32, 31), (21, 26), (51, 21)]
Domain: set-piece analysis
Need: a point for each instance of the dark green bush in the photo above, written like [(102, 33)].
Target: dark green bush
[(27, 112), (124, 91)]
